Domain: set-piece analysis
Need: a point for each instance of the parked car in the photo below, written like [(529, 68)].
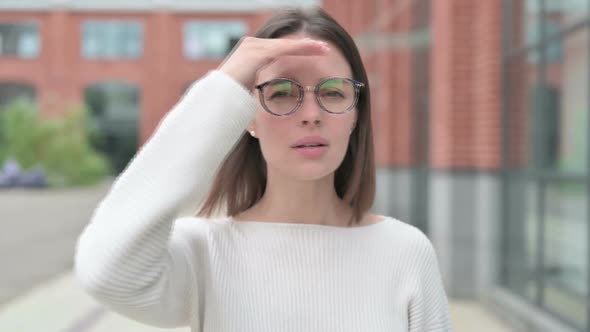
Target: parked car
[(12, 176)]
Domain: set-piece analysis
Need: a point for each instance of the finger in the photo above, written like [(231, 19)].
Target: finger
[(302, 47)]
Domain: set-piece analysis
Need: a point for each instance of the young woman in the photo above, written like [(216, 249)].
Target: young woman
[(279, 138)]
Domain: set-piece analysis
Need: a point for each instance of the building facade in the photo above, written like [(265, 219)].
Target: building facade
[(480, 113)]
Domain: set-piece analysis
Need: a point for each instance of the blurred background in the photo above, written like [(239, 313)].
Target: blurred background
[(480, 113)]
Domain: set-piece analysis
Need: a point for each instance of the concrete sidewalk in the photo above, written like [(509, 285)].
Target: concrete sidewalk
[(60, 305)]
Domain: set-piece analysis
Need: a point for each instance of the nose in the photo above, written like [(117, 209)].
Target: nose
[(310, 112)]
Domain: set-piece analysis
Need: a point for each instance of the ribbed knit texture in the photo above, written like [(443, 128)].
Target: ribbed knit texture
[(141, 258)]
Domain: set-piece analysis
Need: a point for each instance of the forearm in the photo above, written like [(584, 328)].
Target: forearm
[(124, 255)]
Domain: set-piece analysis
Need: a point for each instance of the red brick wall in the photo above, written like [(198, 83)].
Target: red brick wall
[(466, 81), (465, 96), (453, 108), (487, 86)]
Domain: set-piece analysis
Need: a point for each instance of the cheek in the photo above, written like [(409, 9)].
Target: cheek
[(342, 134), (343, 139), (269, 125), (272, 132)]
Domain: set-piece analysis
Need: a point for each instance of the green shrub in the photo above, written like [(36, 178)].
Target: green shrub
[(60, 145)]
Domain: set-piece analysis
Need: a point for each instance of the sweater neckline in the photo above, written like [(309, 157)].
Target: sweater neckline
[(270, 224)]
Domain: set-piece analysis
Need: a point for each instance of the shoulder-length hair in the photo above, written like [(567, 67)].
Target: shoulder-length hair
[(241, 179)]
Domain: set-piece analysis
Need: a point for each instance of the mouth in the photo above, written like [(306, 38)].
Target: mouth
[(311, 151), (309, 146)]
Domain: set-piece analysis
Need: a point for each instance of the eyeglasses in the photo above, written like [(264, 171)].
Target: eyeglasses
[(283, 96)]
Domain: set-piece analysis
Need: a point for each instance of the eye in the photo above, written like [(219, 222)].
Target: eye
[(280, 90), (335, 89), (331, 94), (280, 94)]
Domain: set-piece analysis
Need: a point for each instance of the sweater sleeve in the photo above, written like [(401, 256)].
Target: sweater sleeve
[(131, 257), (429, 308)]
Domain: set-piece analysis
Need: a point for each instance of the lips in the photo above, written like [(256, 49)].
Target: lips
[(311, 147), (310, 142)]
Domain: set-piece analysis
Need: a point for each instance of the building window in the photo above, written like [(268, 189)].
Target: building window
[(116, 108), (12, 91), (19, 39), (211, 39), (112, 40), (545, 247)]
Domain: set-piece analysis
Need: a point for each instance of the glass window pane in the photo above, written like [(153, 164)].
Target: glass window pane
[(520, 236), (566, 249), (560, 14), (211, 39), (19, 39), (28, 46), (115, 107), (11, 91), (528, 17), (522, 100), (531, 20), (112, 39), (562, 118)]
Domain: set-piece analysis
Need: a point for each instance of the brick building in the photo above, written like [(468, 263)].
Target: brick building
[(480, 115)]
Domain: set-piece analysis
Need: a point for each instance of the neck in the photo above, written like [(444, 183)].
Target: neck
[(302, 201)]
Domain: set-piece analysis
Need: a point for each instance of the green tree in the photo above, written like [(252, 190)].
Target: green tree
[(60, 145)]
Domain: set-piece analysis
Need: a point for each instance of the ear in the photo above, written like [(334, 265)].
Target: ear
[(252, 125), (252, 128)]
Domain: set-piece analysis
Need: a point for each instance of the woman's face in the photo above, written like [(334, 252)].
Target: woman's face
[(278, 135)]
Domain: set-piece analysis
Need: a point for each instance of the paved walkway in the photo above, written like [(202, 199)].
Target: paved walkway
[(60, 305), (40, 228)]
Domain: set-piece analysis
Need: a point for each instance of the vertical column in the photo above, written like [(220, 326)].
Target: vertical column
[(452, 74), (487, 83), (403, 74), (465, 135), (156, 95), (57, 91)]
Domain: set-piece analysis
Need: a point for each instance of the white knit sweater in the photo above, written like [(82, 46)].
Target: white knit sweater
[(143, 259)]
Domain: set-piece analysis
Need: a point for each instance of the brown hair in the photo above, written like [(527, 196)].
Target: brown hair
[(241, 179)]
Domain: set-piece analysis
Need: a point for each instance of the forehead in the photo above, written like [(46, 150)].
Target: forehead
[(308, 69)]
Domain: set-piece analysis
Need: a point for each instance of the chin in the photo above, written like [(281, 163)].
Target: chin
[(304, 169), (309, 172)]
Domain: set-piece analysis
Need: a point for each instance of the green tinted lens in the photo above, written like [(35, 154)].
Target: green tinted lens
[(337, 95), (335, 83), (281, 96), (284, 88)]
